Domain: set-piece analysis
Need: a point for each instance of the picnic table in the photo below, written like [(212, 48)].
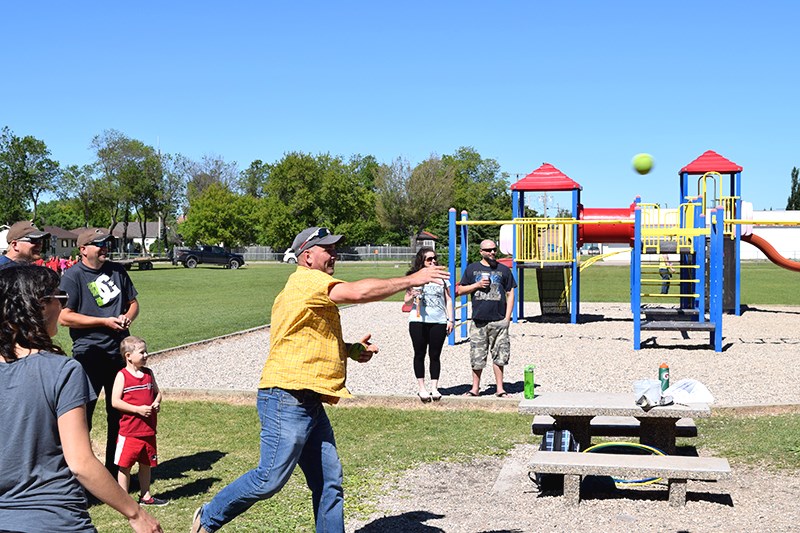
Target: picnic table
[(575, 410), (657, 427)]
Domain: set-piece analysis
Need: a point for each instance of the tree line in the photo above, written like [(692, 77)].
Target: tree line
[(212, 201)]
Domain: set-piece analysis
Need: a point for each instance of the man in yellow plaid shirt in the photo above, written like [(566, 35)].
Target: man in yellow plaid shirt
[(306, 367)]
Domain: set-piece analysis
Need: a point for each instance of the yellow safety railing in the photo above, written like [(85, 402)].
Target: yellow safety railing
[(729, 206), (544, 240), (702, 188), (660, 225)]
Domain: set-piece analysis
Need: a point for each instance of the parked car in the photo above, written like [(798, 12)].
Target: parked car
[(594, 250), (289, 257), (212, 255)]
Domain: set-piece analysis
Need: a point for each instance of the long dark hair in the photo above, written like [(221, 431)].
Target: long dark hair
[(419, 259), (22, 320)]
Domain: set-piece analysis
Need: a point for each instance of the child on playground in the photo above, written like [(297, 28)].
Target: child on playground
[(137, 397)]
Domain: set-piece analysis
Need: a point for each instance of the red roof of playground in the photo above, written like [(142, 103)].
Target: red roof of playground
[(710, 161), (546, 178)]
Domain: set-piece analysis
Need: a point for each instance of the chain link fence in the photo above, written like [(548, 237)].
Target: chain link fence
[(356, 253)]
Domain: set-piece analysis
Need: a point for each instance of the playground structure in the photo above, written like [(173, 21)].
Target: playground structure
[(706, 231)]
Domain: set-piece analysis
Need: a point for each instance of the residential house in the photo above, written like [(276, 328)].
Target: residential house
[(63, 243)]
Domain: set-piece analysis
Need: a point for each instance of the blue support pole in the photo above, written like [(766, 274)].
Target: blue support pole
[(451, 254), (684, 185), (516, 310), (715, 294), (636, 279), (520, 206), (575, 293), (464, 259), (737, 309)]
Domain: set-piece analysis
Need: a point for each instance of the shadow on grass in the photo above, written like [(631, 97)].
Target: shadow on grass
[(176, 469), (410, 522)]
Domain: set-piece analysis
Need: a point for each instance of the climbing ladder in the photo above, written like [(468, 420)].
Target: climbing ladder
[(691, 242)]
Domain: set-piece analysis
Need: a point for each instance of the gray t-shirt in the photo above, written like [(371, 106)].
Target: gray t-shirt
[(433, 308), (105, 292), (38, 492)]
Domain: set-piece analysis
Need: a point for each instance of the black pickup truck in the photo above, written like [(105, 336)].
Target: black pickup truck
[(212, 255)]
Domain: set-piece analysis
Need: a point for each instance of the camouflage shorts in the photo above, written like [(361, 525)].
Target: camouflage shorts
[(489, 338)]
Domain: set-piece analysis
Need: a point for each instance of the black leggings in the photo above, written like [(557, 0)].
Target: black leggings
[(427, 338), (102, 368)]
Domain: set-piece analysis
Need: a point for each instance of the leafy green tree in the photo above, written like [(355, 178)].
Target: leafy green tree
[(793, 203), (132, 179), (77, 186), (303, 190), (218, 215), (481, 189), (408, 200), (209, 170), (113, 159), (12, 179), (64, 213), (253, 179), (26, 171)]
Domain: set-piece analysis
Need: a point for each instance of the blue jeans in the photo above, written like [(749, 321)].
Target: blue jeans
[(666, 276), (295, 430)]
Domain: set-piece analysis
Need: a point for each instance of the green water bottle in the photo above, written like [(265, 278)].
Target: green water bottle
[(663, 376), (355, 351), (529, 384)]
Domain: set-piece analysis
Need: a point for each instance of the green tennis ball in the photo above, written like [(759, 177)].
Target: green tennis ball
[(643, 163)]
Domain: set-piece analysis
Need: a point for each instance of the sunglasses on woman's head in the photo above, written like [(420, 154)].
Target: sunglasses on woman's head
[(60, 298)]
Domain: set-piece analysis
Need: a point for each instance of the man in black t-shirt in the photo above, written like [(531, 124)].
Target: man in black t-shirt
[(100, 307), (492, 287)]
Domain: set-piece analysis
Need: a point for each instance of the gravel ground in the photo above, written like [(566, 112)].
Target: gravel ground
[(760, 366)]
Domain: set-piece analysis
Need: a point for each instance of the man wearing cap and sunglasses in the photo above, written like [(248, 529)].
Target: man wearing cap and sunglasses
[(25, 243), (305, 368), (99, 310)]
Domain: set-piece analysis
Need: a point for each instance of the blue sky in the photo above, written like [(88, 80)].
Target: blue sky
[(583, 85)]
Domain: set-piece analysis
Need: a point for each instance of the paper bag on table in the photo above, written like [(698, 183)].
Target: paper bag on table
[(690, 391)]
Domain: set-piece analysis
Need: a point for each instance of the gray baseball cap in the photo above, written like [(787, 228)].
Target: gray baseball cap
[(314, 236)]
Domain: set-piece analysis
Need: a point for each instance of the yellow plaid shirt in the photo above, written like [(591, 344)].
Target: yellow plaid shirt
[(306, 347)]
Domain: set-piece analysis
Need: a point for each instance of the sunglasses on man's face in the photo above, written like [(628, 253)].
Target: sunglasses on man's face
[(40, 240), (489, 250)]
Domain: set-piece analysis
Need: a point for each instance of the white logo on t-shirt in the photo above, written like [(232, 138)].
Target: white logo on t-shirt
[(103, 289)]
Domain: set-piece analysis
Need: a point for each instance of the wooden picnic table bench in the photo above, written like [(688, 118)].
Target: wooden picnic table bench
[(675, 469)]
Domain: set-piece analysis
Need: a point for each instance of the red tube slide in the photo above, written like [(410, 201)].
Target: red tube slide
[(606, 233), (771, 253)]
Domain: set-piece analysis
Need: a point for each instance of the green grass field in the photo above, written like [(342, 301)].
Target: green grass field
[(181, 305), (204, 446)]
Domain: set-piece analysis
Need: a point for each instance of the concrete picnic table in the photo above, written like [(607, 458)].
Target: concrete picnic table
[(575, 410)]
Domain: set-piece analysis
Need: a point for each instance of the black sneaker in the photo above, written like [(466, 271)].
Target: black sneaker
[(158, 502)]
